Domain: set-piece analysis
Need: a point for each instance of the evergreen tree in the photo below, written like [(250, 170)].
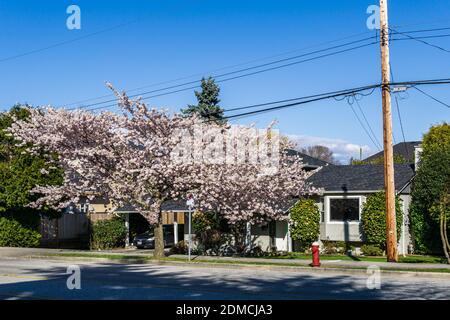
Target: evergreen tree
[(430, 190), (208, 102), (20, 172)]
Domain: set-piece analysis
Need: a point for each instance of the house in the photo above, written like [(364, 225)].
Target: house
[(175, 215), (406, 150), (345, 189)]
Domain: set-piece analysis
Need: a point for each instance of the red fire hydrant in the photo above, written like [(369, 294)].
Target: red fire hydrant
[(315, 254)]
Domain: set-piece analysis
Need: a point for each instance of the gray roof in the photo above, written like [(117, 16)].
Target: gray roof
[(367, 177), (307, 160), (405, 149)]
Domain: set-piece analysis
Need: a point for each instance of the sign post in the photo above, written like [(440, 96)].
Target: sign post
[(190, 205)]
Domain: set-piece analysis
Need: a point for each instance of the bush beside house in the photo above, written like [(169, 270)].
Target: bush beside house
[(371, 250), (13, 234), (430, 184), (211, 232), (373, 218), (108, 234), (305, 223)]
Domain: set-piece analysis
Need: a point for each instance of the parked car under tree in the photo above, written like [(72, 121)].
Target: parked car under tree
[(146, 240)]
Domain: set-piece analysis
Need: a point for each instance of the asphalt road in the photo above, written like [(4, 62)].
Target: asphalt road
[(42, 279)]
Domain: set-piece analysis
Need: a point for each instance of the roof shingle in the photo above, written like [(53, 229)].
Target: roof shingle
[(359, 177)]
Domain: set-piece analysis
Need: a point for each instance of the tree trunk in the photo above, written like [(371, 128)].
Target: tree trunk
[(159, 237), (443, 233), (443, 203)]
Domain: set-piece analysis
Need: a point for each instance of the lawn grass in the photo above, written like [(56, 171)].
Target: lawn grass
[(290, 256), (406, 259), (199, 261)]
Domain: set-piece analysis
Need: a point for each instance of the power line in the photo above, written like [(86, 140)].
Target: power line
[(422, 41), (222, 68), (367, 122), (342, 93), (350, 100), (431, 97), (219, 81), (421, 30), (321, 97), (423, 37), (364, 128), (399, 116), (334, 94), (296, 99), (65, 42), (237, 71), (243, 70), (255, 60), (233, 78)]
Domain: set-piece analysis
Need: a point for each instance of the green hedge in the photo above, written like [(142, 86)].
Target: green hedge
[(305, 222), (371, 250), (432, 179), (108, 234), (373, 218), (13, 234)]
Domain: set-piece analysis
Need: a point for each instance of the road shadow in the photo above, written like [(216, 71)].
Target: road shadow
[(47, 280)]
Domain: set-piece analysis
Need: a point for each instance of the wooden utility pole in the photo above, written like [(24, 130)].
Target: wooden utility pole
[(389, 185)]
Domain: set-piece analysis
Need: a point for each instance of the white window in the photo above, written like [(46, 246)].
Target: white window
[(344, 209)]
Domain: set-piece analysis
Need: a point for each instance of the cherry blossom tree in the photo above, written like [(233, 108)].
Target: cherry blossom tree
[(146, 156), (122, 158), (247, 193)]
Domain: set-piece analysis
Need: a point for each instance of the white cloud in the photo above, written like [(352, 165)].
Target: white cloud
[(343, 150)]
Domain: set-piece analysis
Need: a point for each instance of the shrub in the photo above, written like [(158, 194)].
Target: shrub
[(13, 234), (179, 248), (431, 181), (210, 232), (373, 219), (337, 247), (371, 250), (332, 247), (305, 222), (108, 234)]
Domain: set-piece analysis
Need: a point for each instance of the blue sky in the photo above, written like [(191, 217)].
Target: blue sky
[(162, 40)]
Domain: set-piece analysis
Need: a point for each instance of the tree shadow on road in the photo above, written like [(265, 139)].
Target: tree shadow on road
[(153, 281)]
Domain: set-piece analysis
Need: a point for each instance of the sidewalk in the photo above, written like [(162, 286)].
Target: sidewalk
[(133, 255), (325, 263)]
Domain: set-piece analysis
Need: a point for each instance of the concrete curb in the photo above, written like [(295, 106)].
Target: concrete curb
[(338, 270)]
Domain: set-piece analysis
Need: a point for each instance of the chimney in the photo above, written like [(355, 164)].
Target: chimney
[(417, 151)]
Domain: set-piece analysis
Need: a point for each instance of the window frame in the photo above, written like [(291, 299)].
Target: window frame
[(328, 209)]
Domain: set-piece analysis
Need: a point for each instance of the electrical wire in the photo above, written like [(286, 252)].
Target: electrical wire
[(65, 42), (321, 97), (421, 41), (431, 97), (367, 122), (144, 97), (399, 116), (375, 143), (250, 68), (343, 93), (219, 69)]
